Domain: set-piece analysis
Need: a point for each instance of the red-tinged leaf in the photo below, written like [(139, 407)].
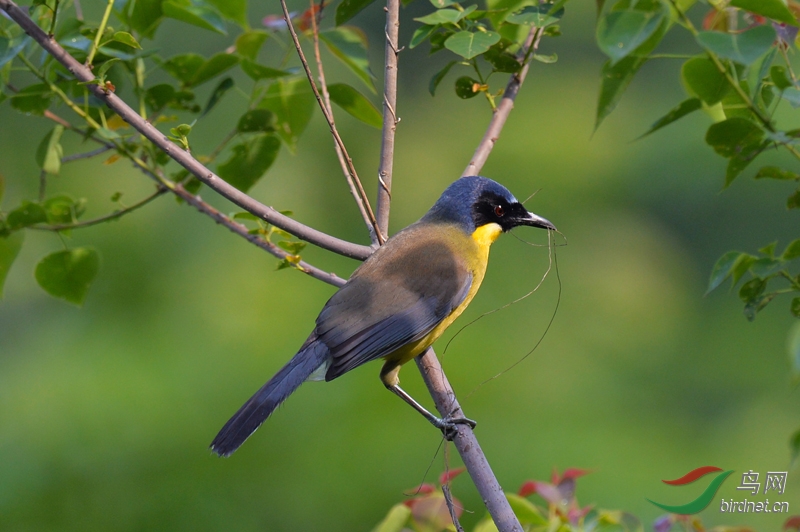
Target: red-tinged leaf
[(527, 489), (793, 523), (431, 512), (422, 489), (549, 492), (555, 478), (572, 473), (448, 476)]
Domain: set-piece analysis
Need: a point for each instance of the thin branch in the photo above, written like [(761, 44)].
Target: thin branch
[(182, 157), (448, 499), (102, 219), (390, 118), (467, 444), (241, 230), (329, 119), (323, 86), (506, 105), (86, 155)]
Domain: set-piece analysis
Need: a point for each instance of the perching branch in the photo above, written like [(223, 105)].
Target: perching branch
[(181, 156), (432, 373), (335, 132), (326, 99), (390, 119), (506, 105)]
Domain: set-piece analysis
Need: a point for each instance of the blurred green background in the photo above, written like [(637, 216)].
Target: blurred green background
[(106, 412)]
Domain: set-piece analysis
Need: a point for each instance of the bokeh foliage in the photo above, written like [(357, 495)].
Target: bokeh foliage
[(107, 410)]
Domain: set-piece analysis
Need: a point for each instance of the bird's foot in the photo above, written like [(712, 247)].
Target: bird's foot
[(449, 425)]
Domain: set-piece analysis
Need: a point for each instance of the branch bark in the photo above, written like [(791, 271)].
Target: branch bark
[(506, 105), (380, 238), (390, 119), (181, 156)]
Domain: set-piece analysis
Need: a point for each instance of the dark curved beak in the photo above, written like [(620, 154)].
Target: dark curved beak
[(536, 221)]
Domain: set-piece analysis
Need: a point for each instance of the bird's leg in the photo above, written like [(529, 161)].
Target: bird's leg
[(446, 424)]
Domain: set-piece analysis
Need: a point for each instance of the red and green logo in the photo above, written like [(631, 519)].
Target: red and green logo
[(704, 499)]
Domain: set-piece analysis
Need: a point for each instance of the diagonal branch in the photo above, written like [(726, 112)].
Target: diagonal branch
[(326, 99), (329, 119), (181, 156), (506, 105), (390, 119)]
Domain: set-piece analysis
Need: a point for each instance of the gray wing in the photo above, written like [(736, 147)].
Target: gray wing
[(398, 296)]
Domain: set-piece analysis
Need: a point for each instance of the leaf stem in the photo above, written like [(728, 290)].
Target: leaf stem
[(100, 30)]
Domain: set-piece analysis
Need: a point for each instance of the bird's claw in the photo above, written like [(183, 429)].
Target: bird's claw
[(449, 425)]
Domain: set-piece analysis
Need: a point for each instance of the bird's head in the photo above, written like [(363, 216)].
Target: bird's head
[(480, 204)]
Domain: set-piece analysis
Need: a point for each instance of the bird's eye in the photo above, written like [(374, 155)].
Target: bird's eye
[(499, 211)]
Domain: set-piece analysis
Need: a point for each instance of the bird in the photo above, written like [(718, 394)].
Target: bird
[(397, 302)]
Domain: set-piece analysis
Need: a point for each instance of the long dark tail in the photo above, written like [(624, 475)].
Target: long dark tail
[(258, 408)]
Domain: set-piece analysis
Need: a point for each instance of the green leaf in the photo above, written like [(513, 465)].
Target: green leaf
[(741, 267), (441, 16), (525, 510), (795, 309), (249, 43), (196, 15), (547, 59), (256, 121), (443, 3), (50, 152), (774, 9), (539, 16), (793, 202), (216, 65), (438, 77), (701, 78), (184, 67), (356, 104), (10, 48), (105, 67), (63, 209), (744, 48), (737, 164), (722, 269), (752, 289), (350, 8), (684, 108), (755, 306), (249, 161), (350, 46), (257, 71), (792, 251), (502, 61), (158, 96), (792, 95), (769, 249), (764, 267), (234, 10), (395, 520), (224, 86), (33, 99), (68, 274), (468, 44), (420, 34), (734, 136), (27, 214), (614, 79), (466, 87), (127, 39), (621, 31), (293, 104), (292, 247), (794, 442), (145, 16), (773, 172), (777, 74), (9, 249)]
